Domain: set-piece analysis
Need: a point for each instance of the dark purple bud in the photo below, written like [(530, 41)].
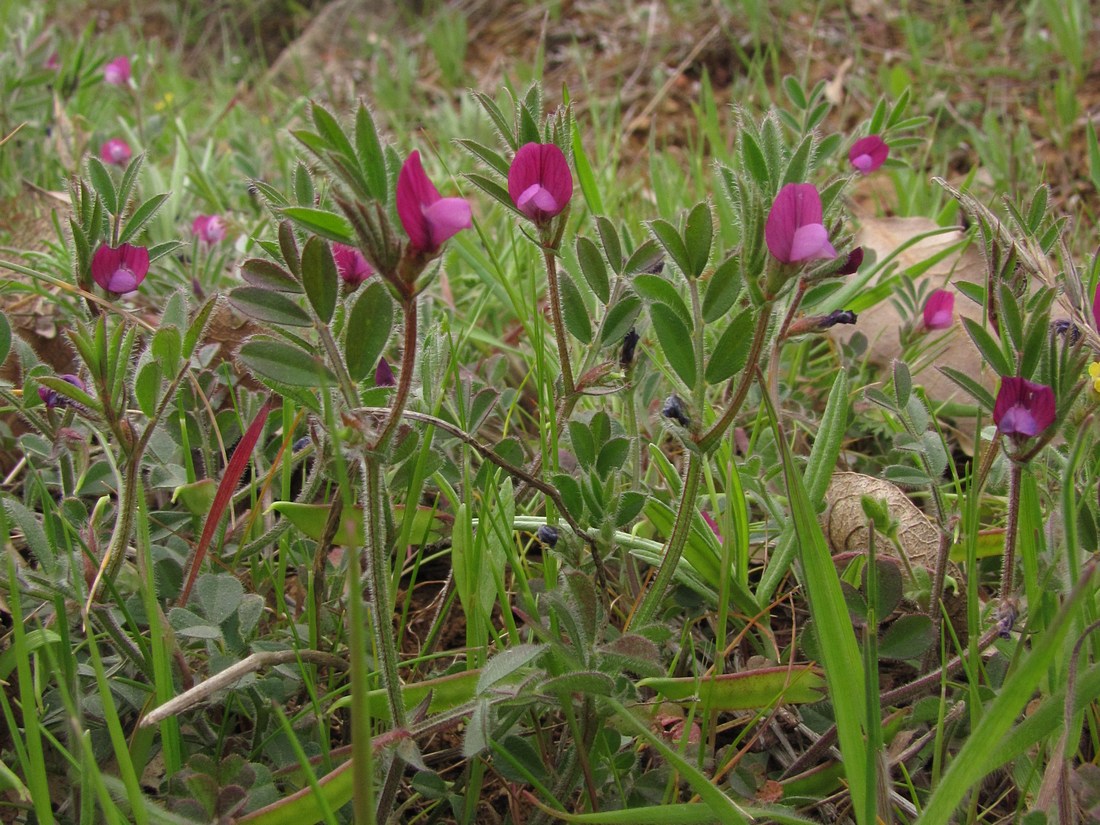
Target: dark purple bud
[(383, 375), (1063, 326), (630, 342), (53, 399), (852, 265), (674, 409), (301, 444), (547, 535), (839, 316)]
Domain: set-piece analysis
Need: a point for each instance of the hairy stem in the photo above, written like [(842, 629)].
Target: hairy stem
[(676, 541), (710, 439), (404, 380), (1011, 528), (548, 258)]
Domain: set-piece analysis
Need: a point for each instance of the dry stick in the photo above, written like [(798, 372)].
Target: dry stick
[(223, 679), (890, 697)]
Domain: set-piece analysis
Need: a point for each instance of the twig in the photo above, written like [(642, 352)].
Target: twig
[(223, 679)]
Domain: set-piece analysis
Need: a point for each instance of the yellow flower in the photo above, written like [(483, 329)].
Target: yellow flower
[(164, 103), (1094, 374)]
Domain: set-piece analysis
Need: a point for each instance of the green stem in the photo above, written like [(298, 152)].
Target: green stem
[(347, 386), (676, 541), (559, 325), (710, 438)]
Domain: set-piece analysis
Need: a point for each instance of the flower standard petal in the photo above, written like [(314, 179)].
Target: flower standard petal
[(868, 154), (939, 309), (414, 194)]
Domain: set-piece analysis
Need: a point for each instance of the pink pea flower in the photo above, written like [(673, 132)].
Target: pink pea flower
[(53, 62), (429, 219), (117, 72), (868, 154), (794, 231), (1023, 408), (351, 264), (539, 181), (939, 309), (116, 151), (210, 229), (52, 398), (120, 269)]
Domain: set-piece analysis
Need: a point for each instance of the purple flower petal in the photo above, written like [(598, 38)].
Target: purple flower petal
[(939, 309), (1096, 309), (797, 207), (539, 181), (868, 154)]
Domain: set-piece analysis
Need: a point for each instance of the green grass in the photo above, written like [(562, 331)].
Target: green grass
[(533, 565)]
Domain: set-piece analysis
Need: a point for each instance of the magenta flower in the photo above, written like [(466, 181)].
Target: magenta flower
[(539, 181), (1023, 408), (429, 219), (53, 62), (939, 309), (351, 264), (794, 231), (116, 151), (120, 269), (117, 72), (868, 154), (52, 398), (1096, 309), (209, 228)]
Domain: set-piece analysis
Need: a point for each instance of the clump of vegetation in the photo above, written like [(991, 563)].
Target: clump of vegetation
[(460, 476)]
